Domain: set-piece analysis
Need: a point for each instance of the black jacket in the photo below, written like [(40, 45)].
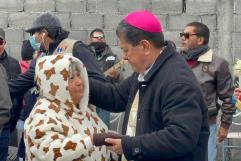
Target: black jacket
[(26, 81), (5, 101), (172, 122), (106, 60), (11, 66)]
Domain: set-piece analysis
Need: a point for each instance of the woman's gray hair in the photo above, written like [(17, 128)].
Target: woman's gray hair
[(74, 68)]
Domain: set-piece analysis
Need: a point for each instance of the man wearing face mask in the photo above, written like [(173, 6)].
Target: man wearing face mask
[(104, 54), (106, 59), (46, 35)]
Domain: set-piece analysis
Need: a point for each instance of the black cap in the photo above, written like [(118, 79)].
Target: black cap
[(46, 20), (27, 51)]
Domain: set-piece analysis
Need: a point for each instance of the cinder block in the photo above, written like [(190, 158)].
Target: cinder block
[(111, 21), (64, 19), (236, 39), (178, 22), (213, 40), (117, 50), (163, 21), (236, 53), (201, 6), (15, 50), (79, 35), (39, 5), (237, 23), (210, 21), (4, 20), (173, 36), (11, 5), (126, 6), (26, 35), (107, 6), (166, 7), (22, 19), (14, 35), (237, 6), (91, 6), (111, 38), (78, 6), (86, 21)]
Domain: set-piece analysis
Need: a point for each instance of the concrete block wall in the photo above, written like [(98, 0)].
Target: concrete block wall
[(236, 35), (81, 16)]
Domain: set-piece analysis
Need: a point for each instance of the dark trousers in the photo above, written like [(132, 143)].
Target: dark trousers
[(4, 142), (104, 115)]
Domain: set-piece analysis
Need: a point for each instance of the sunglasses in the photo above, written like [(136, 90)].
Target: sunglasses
[(2, 41), (186, 35), (98, 37)]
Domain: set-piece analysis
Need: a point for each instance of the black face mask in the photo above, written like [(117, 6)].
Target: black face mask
[(99, 47)]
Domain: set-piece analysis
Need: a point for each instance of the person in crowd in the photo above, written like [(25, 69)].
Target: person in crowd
[(5, 101), (46, 35), (166, 115), (214, 77), (104, 54), (237, 98), (9, 63), (27, 55), (62, 124), (13, 70), (106, 59)]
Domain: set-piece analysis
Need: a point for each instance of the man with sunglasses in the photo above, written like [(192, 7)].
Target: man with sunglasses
[(5, 101), (12, 68), (5, 105), (106, 59), (46, 35), (103, 53), (9, 63), (214, 78)]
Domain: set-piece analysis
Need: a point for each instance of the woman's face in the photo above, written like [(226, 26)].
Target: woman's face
[(76, 87)]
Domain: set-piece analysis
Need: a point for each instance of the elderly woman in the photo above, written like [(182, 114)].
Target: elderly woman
[(61, 125)]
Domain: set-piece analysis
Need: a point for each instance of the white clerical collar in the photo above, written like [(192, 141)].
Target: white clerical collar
[(141, 76)]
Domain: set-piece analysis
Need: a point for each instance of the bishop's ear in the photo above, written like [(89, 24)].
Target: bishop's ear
[(146, 45)]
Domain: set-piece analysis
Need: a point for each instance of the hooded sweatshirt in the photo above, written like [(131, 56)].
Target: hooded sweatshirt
[(57, 129)]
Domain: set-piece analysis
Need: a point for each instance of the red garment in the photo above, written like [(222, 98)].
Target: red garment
[(191, 63), (23, 65)]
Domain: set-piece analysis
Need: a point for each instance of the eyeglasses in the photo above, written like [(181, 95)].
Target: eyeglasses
[(2, 41), (186, 35)]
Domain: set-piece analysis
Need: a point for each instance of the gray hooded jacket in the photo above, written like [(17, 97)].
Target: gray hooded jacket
[(5, 101)]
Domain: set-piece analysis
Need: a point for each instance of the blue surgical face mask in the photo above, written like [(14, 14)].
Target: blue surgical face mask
[(34, 43)]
